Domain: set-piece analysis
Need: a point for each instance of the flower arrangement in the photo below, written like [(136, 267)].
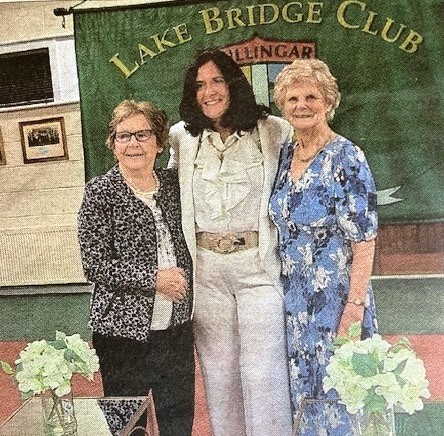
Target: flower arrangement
[(49, 365), (371, 376)]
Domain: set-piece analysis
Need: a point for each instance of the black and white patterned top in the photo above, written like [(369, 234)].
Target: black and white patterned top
[(118, 242)]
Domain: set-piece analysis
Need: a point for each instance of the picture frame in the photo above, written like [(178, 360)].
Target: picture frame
[(43, 140), (2, 150)]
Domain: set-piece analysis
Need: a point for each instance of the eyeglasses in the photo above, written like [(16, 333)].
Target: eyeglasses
[(141, 136)]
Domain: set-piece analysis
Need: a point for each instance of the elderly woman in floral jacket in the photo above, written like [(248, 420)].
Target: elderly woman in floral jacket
[(134, 253)]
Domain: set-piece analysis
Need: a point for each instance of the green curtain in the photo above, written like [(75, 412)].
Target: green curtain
[(392, 92)]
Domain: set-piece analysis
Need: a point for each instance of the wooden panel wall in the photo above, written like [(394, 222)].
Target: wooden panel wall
[(410, 249), (39, 203)]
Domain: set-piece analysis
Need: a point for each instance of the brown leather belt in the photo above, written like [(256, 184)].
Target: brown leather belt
[(226, 243)]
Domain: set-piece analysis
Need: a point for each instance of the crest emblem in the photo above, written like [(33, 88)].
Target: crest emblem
[(261, 60)]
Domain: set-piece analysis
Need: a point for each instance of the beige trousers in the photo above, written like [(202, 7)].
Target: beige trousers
[(240, 339)]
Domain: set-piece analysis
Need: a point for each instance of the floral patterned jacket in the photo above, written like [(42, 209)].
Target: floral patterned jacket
[(118, 245)]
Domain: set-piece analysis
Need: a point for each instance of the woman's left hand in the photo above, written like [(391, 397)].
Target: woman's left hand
[(359, 278), (352, 313), (172, 283)]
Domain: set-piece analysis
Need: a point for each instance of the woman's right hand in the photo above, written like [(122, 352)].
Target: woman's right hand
[(172, 283)]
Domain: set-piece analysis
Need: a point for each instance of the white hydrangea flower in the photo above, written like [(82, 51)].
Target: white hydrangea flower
[(44, 365), (359, 370), (414, 370), (387, 386), (411, 396), (89, 363), (64, 388)]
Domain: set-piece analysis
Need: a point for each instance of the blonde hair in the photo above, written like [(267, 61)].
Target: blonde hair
[(308, 69), (156, 117)]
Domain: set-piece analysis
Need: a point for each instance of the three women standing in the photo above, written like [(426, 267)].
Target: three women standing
[(226, 150), (324, 205)]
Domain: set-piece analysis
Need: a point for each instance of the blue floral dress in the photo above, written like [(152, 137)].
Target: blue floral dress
[(318, 217)]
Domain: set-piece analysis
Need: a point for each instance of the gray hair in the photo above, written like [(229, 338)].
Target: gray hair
[(156, 117), (311, 69)]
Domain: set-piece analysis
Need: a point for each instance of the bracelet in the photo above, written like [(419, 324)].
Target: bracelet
[(356, 302)]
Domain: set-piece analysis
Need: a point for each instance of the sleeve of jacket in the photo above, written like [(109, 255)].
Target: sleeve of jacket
[(96, 232), (287, 132), (177, 131)]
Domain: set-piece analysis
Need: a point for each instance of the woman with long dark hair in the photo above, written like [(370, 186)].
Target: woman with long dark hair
[(226, 149)]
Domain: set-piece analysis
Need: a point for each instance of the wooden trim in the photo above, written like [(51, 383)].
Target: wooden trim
[(2, 150)]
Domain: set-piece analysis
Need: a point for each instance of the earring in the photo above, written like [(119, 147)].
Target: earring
[(160, 150)]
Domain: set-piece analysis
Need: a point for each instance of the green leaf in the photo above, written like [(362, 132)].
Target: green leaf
[(403, 344), (400, 367), (338, 341), (6, 367), (58, 344), (374, 402), (365, 365), (355, 330), (72, 356), (26, 395), (400, 380)]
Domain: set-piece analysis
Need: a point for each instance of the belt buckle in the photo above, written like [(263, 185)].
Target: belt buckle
[(226, 243)]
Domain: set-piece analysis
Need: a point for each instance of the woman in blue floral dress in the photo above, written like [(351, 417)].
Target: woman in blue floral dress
[(324, 205)]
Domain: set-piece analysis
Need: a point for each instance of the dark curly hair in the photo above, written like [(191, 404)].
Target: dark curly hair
[(243, 112)]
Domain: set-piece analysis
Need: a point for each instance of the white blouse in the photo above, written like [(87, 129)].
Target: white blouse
[(227, 182), (163, 306)]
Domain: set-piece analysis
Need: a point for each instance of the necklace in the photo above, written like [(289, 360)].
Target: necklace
[(141, 191), (319, 148)]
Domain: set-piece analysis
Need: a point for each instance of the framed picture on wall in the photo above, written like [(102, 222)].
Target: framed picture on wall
[(43, 140), (2, 150)]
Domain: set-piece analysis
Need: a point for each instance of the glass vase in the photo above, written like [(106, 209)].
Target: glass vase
[(380, 423), (58, 414)]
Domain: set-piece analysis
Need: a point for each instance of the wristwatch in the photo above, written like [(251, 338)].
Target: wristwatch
[(356, 302)]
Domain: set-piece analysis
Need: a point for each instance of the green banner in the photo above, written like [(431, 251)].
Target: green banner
[(388, 58)]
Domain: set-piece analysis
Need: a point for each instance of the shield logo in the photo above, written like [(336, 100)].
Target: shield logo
[(261, 60)]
